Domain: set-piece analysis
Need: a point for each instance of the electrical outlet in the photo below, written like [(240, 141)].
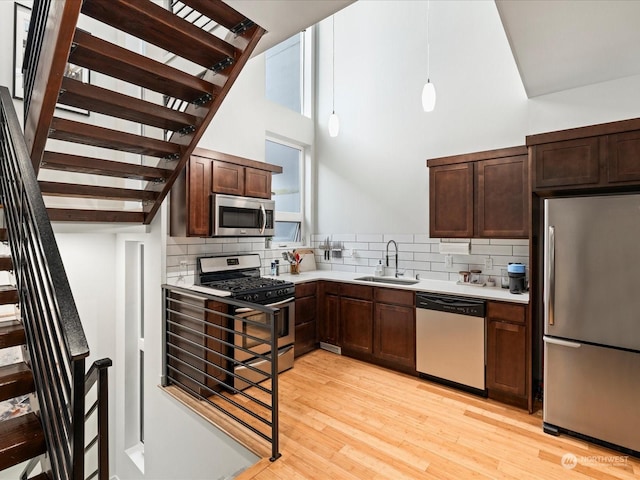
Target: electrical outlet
[(448, 261), (183, 265), (488, 263)]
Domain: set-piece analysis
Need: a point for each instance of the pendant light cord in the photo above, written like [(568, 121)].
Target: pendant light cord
[(428, 45), (333, 64)]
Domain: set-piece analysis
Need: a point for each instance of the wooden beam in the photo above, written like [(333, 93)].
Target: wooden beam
[(61, 23)]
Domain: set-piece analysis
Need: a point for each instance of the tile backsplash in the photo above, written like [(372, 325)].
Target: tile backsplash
[(417, 254)]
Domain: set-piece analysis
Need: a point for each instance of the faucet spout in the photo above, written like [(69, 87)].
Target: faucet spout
[(396, 254)]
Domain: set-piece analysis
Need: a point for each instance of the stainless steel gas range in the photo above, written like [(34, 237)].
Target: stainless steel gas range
[(239, 275)]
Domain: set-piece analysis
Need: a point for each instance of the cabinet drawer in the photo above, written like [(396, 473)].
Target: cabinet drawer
[(508, 312), (356, 291), (306, 289), (330, 288), (394, 296)]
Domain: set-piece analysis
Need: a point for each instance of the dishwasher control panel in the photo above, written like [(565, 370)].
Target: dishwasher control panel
[(446, 303)]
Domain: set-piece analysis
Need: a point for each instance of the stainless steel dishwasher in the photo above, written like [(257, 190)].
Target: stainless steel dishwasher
[(450, 340)]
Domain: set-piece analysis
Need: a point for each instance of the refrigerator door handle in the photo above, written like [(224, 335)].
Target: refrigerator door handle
[(562, 343), (551, 276)]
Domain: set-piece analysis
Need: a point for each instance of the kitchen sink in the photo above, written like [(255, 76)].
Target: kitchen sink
[(389, 280)]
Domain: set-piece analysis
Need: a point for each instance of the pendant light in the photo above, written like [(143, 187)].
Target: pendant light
[(428, 91), (334, 121)]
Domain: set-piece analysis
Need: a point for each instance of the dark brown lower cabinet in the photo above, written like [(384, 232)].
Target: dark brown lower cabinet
[(306, 318), (329, 307), (356, 318), (394, 334), (507, 353)]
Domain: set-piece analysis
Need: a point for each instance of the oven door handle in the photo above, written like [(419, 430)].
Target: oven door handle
[(271, 305)]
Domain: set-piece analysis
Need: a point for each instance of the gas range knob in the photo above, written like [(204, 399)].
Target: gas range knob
[(255, 297)]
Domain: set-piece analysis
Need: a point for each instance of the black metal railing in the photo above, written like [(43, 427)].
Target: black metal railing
[(191, 15), (56, 343), (199, 357), (32, 50)]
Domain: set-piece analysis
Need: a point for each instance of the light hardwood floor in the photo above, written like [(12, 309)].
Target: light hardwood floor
[(345, 419)]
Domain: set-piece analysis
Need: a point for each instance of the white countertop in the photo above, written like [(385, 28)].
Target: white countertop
[(424, 285)]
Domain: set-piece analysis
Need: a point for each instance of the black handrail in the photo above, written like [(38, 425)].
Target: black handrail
[(197, 354), (56, 343), (37, 24), (98, 375)]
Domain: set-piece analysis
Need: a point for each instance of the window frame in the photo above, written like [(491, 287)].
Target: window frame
[(292, 216)]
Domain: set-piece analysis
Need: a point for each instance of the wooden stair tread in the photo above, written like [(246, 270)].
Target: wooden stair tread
[(158, 26), (84, 133), (103, 216), (15, 380), (11, 334), (94, 191), (101, 100), (21, 439), (104, 57), (96, 166), (6, 263), (8, 295)]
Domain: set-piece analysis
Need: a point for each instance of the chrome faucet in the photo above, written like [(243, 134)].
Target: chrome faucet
[(396, 247)]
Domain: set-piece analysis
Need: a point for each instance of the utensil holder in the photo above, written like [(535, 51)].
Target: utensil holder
[(295, 269)]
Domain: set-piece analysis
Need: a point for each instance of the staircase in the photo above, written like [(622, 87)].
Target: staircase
[(147, 112), (21, 437)]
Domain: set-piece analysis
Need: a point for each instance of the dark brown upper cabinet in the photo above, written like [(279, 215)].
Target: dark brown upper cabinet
[(502, 199), (482, 194), (451, 200), (598, 158), (208, 173)]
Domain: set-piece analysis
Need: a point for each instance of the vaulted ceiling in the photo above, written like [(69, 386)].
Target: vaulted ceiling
[(557, 44)]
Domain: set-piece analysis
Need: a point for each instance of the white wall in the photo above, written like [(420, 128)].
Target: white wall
[(376, 166), (372, 178)]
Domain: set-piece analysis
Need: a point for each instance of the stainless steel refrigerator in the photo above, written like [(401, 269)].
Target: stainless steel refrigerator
[(592, 318)]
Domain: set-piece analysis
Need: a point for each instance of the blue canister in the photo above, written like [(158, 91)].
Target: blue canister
[(517, 275)]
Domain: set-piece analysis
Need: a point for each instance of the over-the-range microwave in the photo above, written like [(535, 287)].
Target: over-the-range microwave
[(242, 216)]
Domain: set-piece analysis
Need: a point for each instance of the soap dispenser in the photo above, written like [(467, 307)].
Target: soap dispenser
[(379, 269)]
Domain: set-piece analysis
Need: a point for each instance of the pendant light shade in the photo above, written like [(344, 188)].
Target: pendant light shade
[(334, 121), (334, 125), (428, 97)]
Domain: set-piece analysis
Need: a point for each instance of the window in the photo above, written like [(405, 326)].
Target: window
[(284, 73), (288, 191)]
